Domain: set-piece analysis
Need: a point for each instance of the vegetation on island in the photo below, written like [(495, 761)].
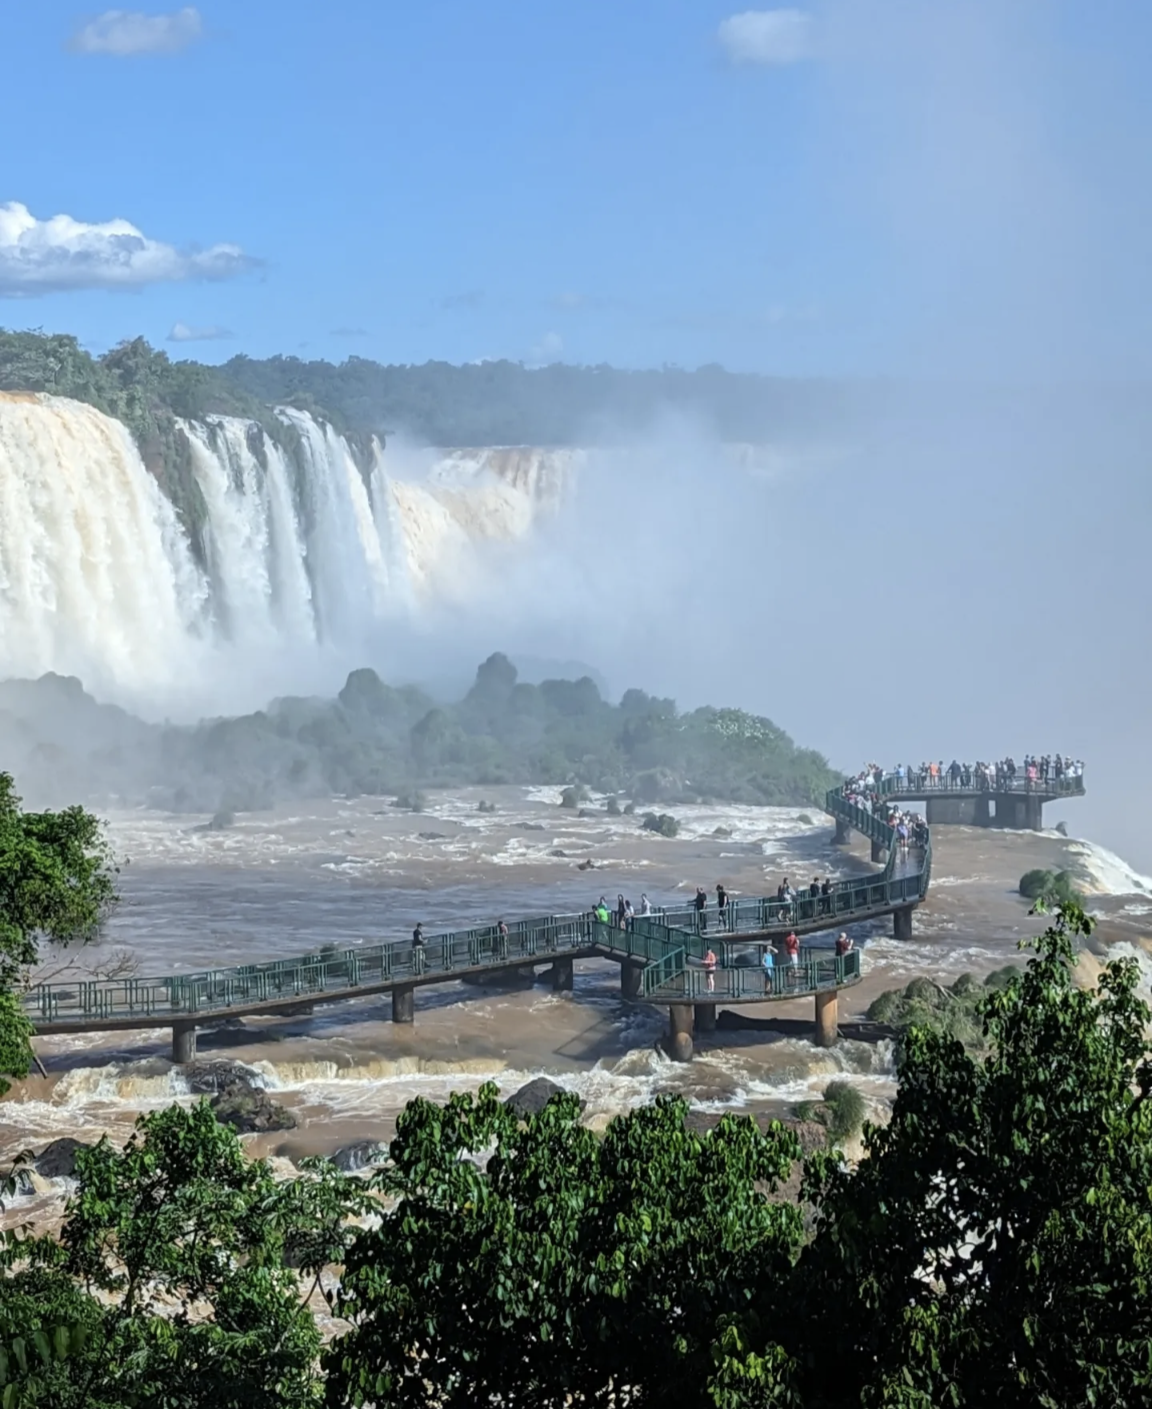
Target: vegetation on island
[(57, 882), (1049, 888), (992, 1245), (954, 1011), (397, 742)]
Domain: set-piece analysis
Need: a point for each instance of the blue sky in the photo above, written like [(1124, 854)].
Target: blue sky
[(861, 186)]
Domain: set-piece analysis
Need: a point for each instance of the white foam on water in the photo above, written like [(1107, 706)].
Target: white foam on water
[(1102, 872)]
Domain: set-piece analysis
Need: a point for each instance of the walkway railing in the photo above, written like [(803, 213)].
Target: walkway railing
[(914, 785), (666, 943)]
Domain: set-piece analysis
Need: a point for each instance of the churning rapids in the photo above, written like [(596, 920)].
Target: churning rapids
[(298, 552), (349, 871)]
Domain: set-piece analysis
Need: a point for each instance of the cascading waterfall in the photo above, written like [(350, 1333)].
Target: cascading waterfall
[(305, 543)]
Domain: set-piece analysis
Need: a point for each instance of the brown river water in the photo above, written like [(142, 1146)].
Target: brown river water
[(355, 872)]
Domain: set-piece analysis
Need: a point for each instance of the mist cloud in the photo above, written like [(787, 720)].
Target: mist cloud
[(767, 37), (61, 253), (127, 33), (181, 332)]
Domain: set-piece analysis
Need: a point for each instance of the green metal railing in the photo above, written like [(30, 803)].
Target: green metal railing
[(668, 943), (813, 971), (918, 786)]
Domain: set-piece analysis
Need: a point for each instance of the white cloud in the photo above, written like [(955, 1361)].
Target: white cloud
[(123, 33), (48, 256), (767, 36), (548, 349), (181, 332)]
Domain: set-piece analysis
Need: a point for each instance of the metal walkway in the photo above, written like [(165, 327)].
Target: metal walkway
[(660, 957)]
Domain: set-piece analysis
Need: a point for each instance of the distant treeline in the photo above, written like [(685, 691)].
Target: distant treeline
[(506, 403), (382, 740), (486, 403)]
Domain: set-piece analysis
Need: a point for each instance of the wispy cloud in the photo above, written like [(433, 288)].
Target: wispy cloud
[(767, 37), (181, 332), (472, 299), (548, 349), (125, 33), (48, 256), (348, 333)]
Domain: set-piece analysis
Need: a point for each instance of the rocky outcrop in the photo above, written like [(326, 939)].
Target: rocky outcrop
[(237, 1098), (58, 1160), (531, 1099), (362, 1154)]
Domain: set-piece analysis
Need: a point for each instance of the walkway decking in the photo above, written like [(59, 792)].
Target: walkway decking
[(660, 958)]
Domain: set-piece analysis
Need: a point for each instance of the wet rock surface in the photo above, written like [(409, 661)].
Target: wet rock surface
[(532, 1098), (361, 1154), (237, 1098), (58, 1160)]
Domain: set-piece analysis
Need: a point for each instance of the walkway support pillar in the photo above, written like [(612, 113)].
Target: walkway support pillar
[(183, 1042), (902, 923), (843, 835), (630, 980), (1034, 814), (404, 1003), (879, 853), (704, 1019), (562, 976), (827, 1030), (680, 1031)]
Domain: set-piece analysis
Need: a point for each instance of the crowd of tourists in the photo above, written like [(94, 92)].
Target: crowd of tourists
[(863, 791), (1033, 772)]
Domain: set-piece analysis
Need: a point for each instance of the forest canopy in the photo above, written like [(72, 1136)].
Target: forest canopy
[(377, 738), (484, 403)]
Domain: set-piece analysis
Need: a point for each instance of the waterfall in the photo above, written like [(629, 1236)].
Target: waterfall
[(96, 575), (305, 544)]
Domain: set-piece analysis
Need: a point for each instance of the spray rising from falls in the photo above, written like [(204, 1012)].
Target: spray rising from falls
[(292, 541)]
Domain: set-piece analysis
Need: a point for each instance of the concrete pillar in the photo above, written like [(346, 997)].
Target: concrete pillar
[(630, 981), (680, 1031), (983, 813), (562, 976), (404, 1003), (902, 923), (827, 1032), (705, 1017), (1033, 814), (843, 835), (879, 853), (183, 1042)]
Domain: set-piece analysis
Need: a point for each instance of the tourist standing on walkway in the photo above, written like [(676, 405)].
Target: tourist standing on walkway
[(418, 947), (700, 903), (621, 911), (721, 906), (710, 970), (502, 939), (792, 946), (645, 905), (769, 962)]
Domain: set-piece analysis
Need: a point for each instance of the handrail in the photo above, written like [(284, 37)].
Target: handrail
[(666, 942)]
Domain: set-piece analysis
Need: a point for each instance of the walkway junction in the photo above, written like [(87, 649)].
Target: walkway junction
[(660, 958)]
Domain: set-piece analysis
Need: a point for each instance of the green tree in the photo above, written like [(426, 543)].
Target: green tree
[(569, 1267), (56, 883), (995, 1246), (182, 1276)]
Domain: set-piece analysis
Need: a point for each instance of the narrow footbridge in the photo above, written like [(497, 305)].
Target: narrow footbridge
[(661, 960)]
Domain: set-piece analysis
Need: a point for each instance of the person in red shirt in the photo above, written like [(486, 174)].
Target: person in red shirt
[(792, 945)]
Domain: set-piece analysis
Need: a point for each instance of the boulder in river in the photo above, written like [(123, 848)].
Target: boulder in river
[(237, 1098), (363, 1154), (58, 1160), (531, 1099)]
